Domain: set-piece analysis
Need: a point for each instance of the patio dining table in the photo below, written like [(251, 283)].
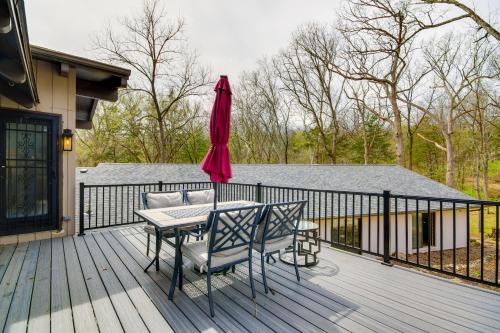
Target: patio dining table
[(174, 219)]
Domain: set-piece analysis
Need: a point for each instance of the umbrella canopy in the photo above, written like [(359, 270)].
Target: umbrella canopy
[(216, 162)]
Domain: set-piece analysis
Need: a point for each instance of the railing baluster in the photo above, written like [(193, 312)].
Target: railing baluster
[(481, 230), (338, 217), (441, 236), (468, 240), (406, 227), (497, 225), (369, 223), (429, 235), (418, 231), (345, 220), (454, 241)]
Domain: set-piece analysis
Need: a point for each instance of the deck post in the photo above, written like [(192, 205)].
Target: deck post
[(82, 208), (160, 186), (387, 227), (258, 193)]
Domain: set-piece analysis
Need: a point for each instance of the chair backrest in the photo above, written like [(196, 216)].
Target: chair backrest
[(168, 203), (279, 220), (232, 230), (199, 196)]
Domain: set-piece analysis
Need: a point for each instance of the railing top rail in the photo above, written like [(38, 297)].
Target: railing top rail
[(447, 200), (323, 190), (375, 194), (142, 184)]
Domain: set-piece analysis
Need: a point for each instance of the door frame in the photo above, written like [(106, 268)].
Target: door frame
[(55, 164)]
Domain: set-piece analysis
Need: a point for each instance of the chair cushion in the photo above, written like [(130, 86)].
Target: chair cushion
[(274, 244), (149, 229), (164, 200), (200, 197), (197, 252)]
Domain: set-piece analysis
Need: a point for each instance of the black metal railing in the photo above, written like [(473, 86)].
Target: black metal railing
[(452, 236)]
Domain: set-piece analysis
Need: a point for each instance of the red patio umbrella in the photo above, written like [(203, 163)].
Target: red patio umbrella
[(216, 162)]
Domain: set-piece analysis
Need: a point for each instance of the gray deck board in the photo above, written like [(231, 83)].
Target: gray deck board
[(5, 257), (39, 318), (61, 319), (470, 318), (17, 319), (125, 309), (147, 310), (470, 298), (105, 314), (9, 281), (83, 312), (97, 283)]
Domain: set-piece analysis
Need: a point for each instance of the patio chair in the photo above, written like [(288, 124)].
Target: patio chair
[(230, 238), (198, 197), (277, 231), (151, 200)]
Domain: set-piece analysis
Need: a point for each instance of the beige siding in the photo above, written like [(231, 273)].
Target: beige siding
[(57, 94)]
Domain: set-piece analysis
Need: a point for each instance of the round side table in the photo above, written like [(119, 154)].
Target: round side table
[(308, 246)]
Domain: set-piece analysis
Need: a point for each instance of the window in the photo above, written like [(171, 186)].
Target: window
[(426, 230)]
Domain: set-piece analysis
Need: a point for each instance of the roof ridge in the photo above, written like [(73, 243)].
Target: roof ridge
[(260, 164)]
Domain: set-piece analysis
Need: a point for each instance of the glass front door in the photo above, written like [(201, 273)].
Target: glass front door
[(29, 172)]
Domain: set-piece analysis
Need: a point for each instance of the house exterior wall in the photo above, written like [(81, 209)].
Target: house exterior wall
[(57, 95), (460, 232)]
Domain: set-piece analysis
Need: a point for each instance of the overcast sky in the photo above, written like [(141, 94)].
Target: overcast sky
[(230, 36)]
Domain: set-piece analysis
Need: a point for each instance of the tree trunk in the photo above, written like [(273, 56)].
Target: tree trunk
[(334, 146), (163, 141), (397, 129), (410, 150), (366, 152), (485, 177), (450, 160)]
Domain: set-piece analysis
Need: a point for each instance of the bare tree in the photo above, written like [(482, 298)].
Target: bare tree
[(262, 116), (378, 39), (304, 73), (481, 120), (470, 13), (152, 45), (457, 64)]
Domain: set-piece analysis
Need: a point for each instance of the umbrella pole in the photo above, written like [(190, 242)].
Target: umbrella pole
[(215, 195)]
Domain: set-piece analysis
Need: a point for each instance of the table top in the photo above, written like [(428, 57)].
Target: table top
[(185, 216), (307, 226)]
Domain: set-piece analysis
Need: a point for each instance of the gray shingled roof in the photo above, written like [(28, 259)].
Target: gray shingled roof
[(362, 178)]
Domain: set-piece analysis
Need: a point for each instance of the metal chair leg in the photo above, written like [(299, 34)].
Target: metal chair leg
[(209, 289), (174, 280), (147, 246), (181, 271), (263, 268), (250, 275), (295, 262)]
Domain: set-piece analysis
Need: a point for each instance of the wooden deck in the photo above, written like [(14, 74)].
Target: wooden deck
[(96, 283)]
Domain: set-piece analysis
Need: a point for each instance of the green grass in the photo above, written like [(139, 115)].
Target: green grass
[(489, 222)]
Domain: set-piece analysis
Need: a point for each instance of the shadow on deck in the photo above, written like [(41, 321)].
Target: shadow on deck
[(96, 282)]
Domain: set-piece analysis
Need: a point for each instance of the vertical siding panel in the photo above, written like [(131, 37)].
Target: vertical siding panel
[(44, 86)]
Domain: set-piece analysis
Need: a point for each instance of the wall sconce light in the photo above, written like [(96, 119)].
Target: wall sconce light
[(67, 140)]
